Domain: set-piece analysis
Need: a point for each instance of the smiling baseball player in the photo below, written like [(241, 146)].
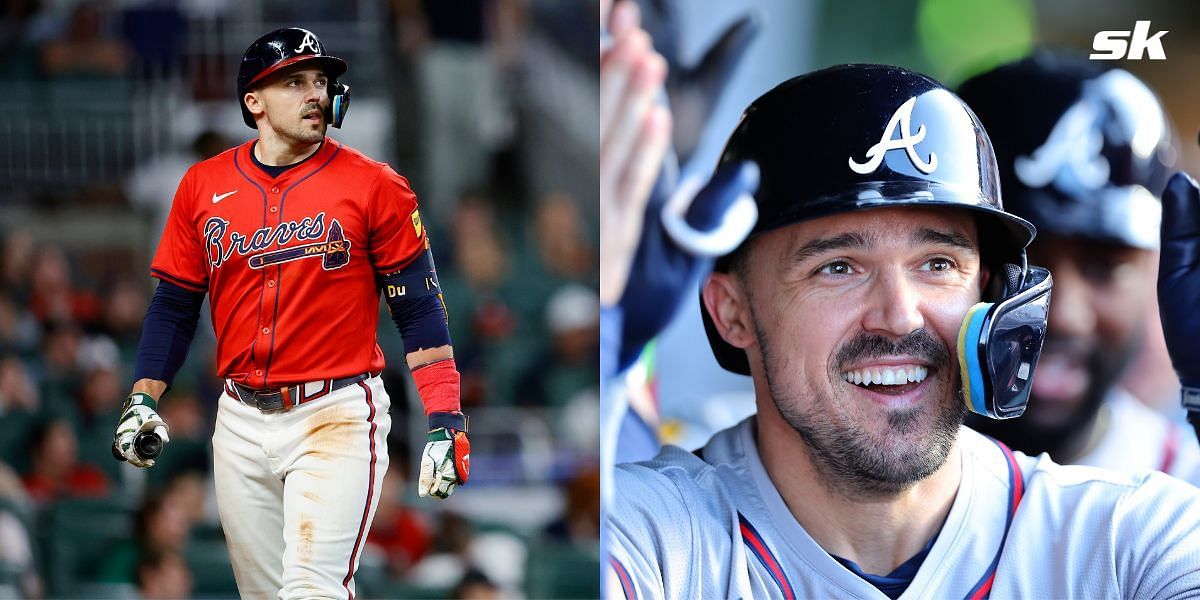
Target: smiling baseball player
[(293, 236), (883, 294)]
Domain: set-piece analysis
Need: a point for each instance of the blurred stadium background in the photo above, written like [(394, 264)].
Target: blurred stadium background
[(488, 106)]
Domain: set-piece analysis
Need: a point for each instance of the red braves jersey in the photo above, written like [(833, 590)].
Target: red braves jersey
[(290, 263)]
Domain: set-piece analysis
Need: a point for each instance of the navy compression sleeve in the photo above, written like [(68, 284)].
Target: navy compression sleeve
[(414, 296), (167, 332), (421, 322)]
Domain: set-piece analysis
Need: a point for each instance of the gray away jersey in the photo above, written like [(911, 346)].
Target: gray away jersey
[(1020, 527)]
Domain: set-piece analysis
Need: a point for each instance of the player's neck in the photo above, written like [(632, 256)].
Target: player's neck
[(277, 151), (879, 532)]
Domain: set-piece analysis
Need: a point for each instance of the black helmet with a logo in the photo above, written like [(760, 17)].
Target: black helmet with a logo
[(285, 47), (854, 137), (1083, 150), (858, 137)]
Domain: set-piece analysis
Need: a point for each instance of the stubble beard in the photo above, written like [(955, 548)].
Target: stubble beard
[(848, 460), (304, 135)]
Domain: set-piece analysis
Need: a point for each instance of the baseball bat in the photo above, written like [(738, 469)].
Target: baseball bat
[(146, 444)]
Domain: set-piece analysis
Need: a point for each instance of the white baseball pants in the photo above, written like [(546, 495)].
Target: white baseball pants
[(297, 489)]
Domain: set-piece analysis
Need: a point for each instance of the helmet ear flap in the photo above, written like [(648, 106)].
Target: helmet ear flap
[(1005, 281), (1011, 276), (999, 343), (339, 103)]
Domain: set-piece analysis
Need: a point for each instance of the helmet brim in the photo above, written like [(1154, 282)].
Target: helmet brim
[(333, 66)]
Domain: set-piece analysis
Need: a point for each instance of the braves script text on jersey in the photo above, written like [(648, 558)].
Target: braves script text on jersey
[(1020, 527), (290, 264)]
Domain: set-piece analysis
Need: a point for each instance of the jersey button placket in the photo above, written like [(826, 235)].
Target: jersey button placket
[(270, 299)]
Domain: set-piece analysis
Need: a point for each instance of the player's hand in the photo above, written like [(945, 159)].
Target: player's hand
[(446, 460), (679, 237), (140, 414), (635, 128), (1179, 276)]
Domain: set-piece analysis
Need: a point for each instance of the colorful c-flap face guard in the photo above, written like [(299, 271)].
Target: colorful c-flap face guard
[(999, 345)]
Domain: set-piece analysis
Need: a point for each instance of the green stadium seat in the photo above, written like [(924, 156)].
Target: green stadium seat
[(371, 580), (401, 589), (15, 430), (75, 535), (107, 591), (562, 571), (212, 574)]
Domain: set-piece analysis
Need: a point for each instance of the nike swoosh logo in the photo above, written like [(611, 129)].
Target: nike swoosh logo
[(221, 197)]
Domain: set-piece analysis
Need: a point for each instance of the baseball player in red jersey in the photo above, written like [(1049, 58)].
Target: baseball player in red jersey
[(293, 236)]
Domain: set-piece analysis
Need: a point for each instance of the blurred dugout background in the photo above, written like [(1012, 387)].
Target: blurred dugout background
[(488, 106)]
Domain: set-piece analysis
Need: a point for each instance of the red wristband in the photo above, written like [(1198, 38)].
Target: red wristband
[(437, 384)]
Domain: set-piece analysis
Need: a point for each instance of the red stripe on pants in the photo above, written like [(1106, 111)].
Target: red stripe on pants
[(362, 526)]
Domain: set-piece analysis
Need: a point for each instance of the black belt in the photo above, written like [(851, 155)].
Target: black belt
[(287, 397)]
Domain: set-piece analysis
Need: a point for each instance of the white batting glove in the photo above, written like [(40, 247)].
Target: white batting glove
[(140, 414), (446, 460)]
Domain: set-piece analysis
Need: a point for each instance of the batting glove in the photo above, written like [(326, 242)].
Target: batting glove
[(140, 414), (1179, 285), (446, 461)]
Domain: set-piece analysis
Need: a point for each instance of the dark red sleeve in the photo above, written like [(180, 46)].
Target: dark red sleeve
[(180, 257), (397, 235)]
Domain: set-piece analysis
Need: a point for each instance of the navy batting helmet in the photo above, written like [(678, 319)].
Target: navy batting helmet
[(1084, 151), (286, 47), (857, 137)]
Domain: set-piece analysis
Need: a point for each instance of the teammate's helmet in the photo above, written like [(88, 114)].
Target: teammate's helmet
[(856, 137), (285, 47), (1083, 151)]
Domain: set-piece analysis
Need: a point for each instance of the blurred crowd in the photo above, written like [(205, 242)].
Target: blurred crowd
[(517, 258)]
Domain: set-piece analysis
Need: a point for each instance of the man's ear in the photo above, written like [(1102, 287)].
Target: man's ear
[(729, 309), (253, 103)]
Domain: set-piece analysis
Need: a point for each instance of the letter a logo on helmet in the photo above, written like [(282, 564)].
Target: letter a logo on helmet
[(310, 42), (907, 141)]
